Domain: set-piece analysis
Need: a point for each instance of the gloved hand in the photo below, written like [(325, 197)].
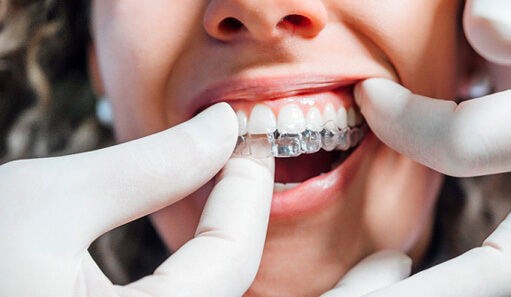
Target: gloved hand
[(469, 139), (376, 271), (487, 25), (52, 209)]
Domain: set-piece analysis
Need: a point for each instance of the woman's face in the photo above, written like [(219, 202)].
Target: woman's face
[(162, 61)]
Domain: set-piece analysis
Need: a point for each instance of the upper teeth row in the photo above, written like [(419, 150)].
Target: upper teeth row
[(292, 120), (279, 144)]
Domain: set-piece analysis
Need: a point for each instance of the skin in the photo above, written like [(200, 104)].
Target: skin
[(150, 59)]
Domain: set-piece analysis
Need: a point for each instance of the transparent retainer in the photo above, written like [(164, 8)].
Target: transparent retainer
[(284, 145)]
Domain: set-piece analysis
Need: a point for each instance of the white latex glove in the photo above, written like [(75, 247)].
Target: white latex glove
[(52, 209), (483, 271), (469, 139), (377, 271), (487, 25)]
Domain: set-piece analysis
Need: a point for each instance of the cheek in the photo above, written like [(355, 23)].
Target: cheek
[(420, 40), (399, 201), (432, 70), (137, 46)]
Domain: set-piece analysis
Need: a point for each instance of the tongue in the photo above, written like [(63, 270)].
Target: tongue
[(299, 169)]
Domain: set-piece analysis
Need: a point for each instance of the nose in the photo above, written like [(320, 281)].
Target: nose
[(225, 20)]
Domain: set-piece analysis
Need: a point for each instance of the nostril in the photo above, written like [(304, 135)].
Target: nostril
[(297, 20), (230, 25)]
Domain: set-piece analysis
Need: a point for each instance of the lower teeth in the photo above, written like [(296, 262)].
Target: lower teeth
[(283, 145), (279, 187)]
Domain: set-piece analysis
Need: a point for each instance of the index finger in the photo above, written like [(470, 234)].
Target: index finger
[(224, 256)]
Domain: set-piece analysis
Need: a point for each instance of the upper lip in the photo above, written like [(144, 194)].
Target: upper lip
[(265, 88)]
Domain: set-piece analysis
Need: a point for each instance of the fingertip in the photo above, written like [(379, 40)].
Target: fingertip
[(260, 169), (376, 89), (363, 92), (488, 29), (401, 261), (359, 94), (225, 116), (384, 86), (364, 89), (219, 125), (377, 97), (266, 162), (390, 255), (387, 266)]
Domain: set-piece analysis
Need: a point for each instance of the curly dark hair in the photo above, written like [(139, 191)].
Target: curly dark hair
[(42, 65)]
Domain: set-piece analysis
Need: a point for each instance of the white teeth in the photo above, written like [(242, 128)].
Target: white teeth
[(342, 118), (242, 122), (352, 122), (261, 120), (354, 118), (314, 119), (291, 119), (291, 186), (329, 116), (293, 134), (280, 187), (359, 119)]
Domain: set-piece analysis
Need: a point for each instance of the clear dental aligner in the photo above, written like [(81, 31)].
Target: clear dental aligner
[(282, 144)]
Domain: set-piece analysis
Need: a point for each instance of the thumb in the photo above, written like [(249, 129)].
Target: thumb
[(469, 139), (487, 26), (375, 272)]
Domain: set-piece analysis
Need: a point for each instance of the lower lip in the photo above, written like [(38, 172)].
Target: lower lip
[(316, 193)]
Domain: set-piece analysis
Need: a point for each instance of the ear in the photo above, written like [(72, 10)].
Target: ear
[(94, 73)]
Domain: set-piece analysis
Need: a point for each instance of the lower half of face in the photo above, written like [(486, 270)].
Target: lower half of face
[(376, 199), (291, 81)]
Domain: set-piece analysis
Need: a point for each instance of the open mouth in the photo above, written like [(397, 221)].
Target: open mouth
[(311, 126), (291, 173), (309, 134)]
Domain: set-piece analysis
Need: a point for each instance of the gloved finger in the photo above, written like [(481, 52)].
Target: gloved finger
[(469, 139), (88, 194), (376, 271), (484, 271), (224, 256), (488, 29)]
